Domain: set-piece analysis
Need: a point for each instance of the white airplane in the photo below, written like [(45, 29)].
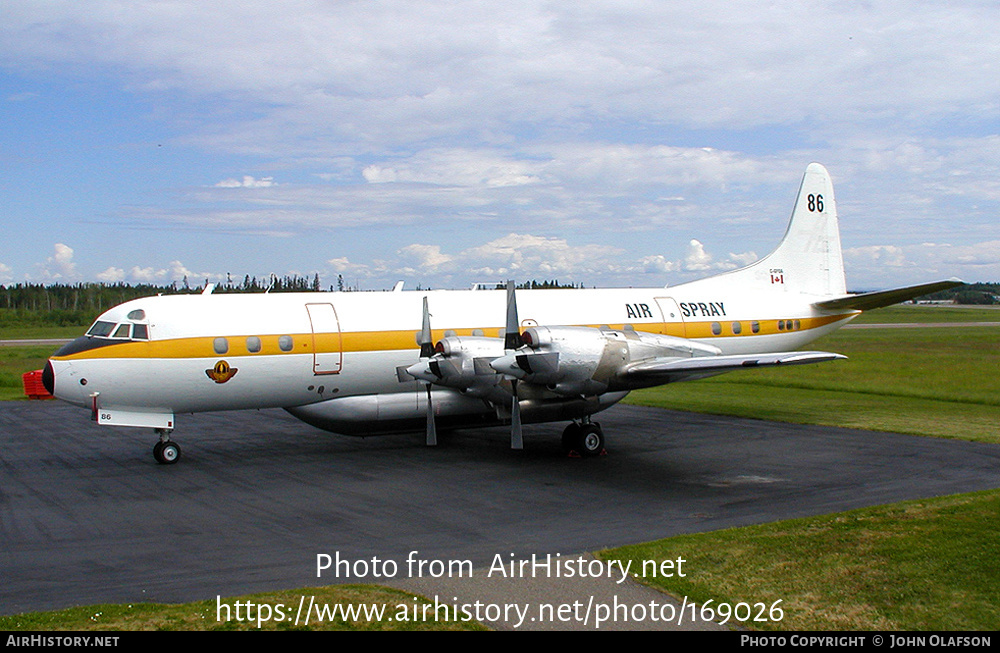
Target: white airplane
[(365, 363)]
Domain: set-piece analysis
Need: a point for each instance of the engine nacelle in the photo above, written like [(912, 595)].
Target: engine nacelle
[(462, 363), (567, 360), (586, 361)]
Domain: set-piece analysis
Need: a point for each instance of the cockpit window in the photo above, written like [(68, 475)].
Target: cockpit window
[(137, 314), (101, 329), (123, 331)]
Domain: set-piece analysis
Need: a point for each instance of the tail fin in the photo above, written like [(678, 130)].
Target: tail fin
[(808, 261)]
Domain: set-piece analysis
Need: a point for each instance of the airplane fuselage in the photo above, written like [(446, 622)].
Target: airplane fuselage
[(232, 351)]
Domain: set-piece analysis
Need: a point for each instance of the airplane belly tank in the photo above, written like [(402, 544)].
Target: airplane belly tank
[(381, 414)]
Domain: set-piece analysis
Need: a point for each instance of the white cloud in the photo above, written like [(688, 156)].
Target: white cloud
[(246, 182), (986, 255), (147, 274), (882, 266), (881, 255), (111, 275), (457, 167), (59, 267), (427, 258), (342, 264), (658, 264), (697, 258), (178, 272), (5, 273), (529, 255), (524, 256)]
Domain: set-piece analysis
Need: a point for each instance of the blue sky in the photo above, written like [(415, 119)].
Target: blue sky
[(444, 144)]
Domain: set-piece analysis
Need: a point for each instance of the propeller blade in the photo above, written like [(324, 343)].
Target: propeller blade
[(512, 331), (432, 437), (426, 341), (426, 351), (516, 436), (511, 341)]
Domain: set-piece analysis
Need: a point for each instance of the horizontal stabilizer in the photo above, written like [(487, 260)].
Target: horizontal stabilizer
[(671, 369), (868, 301)]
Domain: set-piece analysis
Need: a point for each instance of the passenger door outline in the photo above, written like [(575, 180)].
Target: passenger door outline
[(327, 341)]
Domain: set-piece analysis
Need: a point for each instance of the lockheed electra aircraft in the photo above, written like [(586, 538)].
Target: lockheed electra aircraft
[(364, 363)]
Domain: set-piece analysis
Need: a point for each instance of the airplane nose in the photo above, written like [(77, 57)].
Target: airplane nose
[(49, 378)]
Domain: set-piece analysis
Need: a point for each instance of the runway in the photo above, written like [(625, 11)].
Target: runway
[(87, 516)]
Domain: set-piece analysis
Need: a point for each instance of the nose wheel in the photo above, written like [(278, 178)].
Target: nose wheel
[(166, 451)]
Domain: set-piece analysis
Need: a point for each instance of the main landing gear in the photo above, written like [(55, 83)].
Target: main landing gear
[(166, 452), (585, 439)]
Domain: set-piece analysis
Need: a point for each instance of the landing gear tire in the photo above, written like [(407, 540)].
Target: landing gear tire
[(584, 440), (570, 436), (590, 441), (166, 453)]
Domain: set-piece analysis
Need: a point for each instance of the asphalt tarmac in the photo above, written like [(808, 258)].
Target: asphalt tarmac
[(87, 516)]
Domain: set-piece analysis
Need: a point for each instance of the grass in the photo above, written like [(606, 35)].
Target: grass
[(15, 361), (919, 565), (929, 381), (903, 313), (24, 332), (205, 615)]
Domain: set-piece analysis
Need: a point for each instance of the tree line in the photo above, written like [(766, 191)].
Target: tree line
[(36, 304), (61, 304), (975, 294)]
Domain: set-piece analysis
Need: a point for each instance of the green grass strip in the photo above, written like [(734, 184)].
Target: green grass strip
[(267, 611), (920, 565), (931, 381)]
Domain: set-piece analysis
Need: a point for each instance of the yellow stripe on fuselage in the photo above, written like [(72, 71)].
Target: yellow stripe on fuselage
[(375, 341)]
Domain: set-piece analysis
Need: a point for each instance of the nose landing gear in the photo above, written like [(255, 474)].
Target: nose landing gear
[(166, 452)]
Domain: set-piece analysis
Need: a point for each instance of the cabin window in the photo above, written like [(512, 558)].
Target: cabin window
[(737, 328), (137, 314), (253, 344), (140, 332), (285, 343), (755, 326), (221, 346), (101, 329), (716, 328), (798, 324)]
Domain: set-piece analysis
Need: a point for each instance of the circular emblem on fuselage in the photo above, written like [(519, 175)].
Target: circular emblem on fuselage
[(221, 372)]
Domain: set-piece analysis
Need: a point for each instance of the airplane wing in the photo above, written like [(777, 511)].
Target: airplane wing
[(671, 369), (870, 300)]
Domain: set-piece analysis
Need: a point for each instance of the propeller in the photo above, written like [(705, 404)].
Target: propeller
[(512, 340), (426, 351)]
